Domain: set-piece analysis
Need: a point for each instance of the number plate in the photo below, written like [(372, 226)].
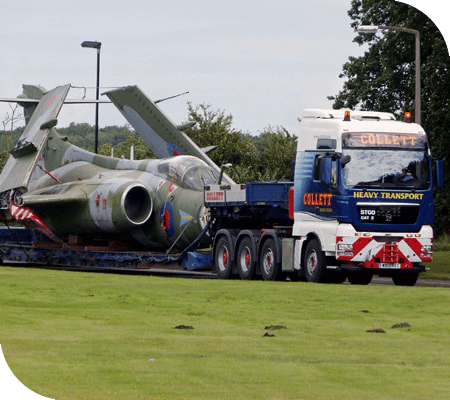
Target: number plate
[(389, 266)]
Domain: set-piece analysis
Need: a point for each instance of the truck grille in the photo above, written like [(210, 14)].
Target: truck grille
[(388, 214)]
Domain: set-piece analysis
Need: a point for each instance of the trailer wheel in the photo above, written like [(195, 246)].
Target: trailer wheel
[(246, 262), (314, 262), (223, 264), (270, 268), (405, 278)]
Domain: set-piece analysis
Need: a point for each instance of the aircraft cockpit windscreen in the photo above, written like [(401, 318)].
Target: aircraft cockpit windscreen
[(189, 172)]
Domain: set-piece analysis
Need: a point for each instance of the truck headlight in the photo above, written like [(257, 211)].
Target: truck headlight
[(427, 250), (345, 247)]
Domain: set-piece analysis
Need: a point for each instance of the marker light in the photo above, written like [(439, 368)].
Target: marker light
[(363, 234), (347, 116), (408, 116)]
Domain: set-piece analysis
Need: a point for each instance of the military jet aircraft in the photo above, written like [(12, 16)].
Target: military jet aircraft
[(68, 193)]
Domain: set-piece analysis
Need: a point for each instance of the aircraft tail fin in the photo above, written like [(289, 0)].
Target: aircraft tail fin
[(158, 132), (32, 92), (31, 96), (18, 170)]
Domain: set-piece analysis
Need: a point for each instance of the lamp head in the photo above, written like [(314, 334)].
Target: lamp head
[(368, 28), (92, 45)]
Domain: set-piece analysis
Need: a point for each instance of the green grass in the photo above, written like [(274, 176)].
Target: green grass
[(70, 335), (443, 243), (439, 267)]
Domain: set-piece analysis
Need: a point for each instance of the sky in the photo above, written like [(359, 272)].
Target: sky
[(262, 61)]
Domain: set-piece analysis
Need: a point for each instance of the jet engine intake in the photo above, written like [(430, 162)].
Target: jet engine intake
[(137, 204), (119, 207)]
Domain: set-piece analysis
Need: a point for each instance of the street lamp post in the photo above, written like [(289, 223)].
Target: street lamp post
[(416, 33), (95, 45)]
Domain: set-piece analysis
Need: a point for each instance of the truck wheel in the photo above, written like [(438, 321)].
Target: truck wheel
[(314, 262), (337, 277), (223, 264), (405, 278), (270, 268), (359, 277), (246, 263)]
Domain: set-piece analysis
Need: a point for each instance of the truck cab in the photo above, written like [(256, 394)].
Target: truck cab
[(363, 197)]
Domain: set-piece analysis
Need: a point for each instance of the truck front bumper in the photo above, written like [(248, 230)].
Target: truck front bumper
[(384, 250)]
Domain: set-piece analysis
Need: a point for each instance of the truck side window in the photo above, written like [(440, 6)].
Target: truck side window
[(317, 166), (334, 173), (318, 169)]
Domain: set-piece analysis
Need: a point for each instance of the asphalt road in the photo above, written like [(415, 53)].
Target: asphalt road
[(176, 273), (377, 281)]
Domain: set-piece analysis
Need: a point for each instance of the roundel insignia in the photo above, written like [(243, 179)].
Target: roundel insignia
[(166, 217), (173, 150)]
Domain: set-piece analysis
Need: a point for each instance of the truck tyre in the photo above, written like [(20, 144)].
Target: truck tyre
[(223, 264), (246, 259), (359, 277), (314, 262), (337, 277), (405, 278), (270, 268)]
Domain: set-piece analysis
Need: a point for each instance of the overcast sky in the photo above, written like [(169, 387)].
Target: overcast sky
[(262, 61)]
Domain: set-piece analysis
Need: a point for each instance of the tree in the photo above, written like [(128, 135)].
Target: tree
[(6, 144), (12, 117), (265, 158), (9, 133), (214, 128), (122, 149), (277, 149), (383, 78)]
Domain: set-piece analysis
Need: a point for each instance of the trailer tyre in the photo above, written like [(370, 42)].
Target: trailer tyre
[(246, 259), (270, 268), (314, 262), (223, 264)]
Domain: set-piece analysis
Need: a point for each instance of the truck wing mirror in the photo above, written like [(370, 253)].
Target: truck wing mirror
[(439, 174), (325, 171), (345, 160)]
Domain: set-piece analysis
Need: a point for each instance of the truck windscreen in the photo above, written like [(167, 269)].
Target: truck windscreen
[(397, 161)]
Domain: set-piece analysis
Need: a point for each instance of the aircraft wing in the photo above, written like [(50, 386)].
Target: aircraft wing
[(17, 172), (158, 132), (61, 195)]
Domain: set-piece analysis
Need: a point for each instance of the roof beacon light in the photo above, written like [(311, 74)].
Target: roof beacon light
[(347, 116), (408, 116)]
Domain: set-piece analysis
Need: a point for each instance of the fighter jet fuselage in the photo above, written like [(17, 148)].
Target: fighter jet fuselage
[(66, 191)]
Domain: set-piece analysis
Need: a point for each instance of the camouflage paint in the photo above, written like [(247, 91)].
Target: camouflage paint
[(155, 204)]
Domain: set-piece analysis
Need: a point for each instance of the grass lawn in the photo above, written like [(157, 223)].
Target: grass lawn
[(439, 267), (72, 335)]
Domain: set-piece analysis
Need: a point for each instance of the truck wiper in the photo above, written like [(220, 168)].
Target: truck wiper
[(412, 187), (364, 185)]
